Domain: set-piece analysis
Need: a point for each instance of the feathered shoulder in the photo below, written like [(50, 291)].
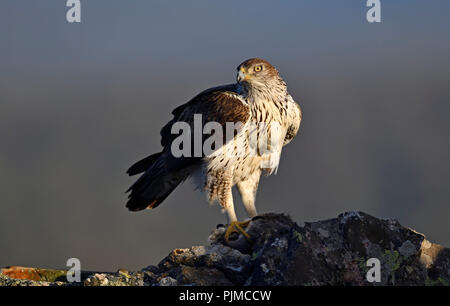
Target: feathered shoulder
[(218, 104)]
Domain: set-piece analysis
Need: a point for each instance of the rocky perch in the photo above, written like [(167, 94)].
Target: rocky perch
[(280, 252)]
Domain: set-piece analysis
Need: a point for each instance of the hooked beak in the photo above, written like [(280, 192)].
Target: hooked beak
[(241, 76)]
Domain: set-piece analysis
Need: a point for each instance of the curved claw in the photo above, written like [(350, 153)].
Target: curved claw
[(237, 227)]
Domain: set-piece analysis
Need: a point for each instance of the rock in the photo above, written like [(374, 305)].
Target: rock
[(217, 259), (120, 278), (407, 249), (13, 282), (280, 252), (168, 281), (201, 276)]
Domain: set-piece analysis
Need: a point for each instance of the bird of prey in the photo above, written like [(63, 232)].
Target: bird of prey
[(258, 98)]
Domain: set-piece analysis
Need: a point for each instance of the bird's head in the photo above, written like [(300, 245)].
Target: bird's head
[(256, 72)]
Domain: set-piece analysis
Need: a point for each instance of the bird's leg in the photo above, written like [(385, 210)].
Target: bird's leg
[(248, 199), (234, 226), (248, 189)]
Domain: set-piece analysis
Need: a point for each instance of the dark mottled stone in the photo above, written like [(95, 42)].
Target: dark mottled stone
[(280, 252)]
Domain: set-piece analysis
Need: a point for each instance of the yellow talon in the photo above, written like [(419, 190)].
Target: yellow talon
[(236, 227)]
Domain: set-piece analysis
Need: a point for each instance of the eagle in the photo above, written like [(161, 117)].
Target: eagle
[(263, 115)]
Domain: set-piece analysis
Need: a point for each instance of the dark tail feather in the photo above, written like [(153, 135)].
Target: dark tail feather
[(153, 187), (143, 165)]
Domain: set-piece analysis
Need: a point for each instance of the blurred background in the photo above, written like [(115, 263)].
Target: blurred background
[(79, 103)]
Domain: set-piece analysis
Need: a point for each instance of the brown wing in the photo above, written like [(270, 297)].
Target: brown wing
[(163, 172), (218, 104)]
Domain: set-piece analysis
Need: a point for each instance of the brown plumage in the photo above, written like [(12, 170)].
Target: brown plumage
[(259, 97)]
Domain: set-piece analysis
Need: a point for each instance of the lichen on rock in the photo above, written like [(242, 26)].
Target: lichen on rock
[(280, 252)]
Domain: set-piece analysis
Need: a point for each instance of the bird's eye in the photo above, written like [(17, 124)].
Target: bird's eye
[(258, 68)]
